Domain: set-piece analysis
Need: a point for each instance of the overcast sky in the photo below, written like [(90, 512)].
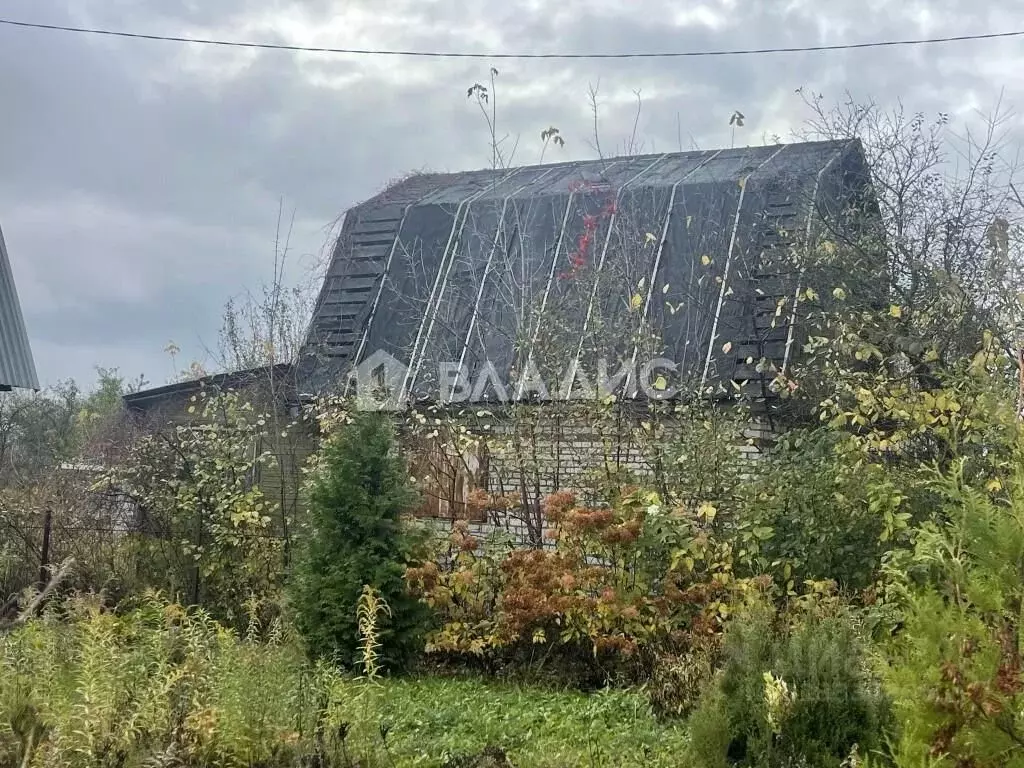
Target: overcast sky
[(140, 181)]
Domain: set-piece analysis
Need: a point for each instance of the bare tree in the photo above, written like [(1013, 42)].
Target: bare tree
[(268, 327), (949, 223)]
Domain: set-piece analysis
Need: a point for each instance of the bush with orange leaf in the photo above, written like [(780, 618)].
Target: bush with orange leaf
[(625, 581)]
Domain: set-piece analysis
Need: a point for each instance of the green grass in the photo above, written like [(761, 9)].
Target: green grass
[(160, 685), (433, 720)]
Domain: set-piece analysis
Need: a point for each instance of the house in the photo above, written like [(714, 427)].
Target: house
[(268, 386), (517, 296), (475, 272), (642, 277), (16, 366)]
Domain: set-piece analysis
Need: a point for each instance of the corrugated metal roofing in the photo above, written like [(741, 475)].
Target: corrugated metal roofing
[(477, 267), (16, 366)]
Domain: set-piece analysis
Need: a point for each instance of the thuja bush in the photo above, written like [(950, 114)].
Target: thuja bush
[(359, 493), (955, 668), (623, 583), (795, 688)]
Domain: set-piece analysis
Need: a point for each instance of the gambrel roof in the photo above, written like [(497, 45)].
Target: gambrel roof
[(16, 366), (605, 257)]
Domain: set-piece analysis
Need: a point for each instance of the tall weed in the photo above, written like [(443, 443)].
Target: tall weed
[(84, 685)]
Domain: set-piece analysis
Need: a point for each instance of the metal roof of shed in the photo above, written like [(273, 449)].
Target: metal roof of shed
[(17, 368)]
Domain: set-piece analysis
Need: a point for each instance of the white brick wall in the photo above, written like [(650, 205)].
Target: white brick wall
[(558, 453)]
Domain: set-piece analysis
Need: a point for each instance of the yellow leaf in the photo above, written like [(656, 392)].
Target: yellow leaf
[(660, 384), (636, 301), (649, 238), (993, 485), (895, 311), (705, 259), (839, 293)]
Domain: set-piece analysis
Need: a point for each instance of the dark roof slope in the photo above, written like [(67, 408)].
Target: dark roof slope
[(487, 266), (16, 366), (168, 395)]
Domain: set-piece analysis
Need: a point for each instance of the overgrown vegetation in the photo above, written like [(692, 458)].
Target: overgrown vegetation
[(955, 668), (851, 597), (162, 685), (206, 529), (623, 582), (793, 689)]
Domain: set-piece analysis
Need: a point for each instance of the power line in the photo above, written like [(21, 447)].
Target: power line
[(474, 55)]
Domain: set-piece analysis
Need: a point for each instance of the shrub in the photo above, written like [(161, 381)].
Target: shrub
[(816, 509), (678, 680), (955, 669), (624, 583), (710, 731), (790, 693), (206, 534), (357, 497)]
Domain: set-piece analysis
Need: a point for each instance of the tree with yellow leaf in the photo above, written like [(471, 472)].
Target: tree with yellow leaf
[(204, 528)]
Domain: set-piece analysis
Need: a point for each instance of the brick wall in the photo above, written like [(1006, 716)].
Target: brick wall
[(547, 451), (526, 456)]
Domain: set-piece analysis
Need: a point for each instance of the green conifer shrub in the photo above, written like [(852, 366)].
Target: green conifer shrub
[(793, 690), (955, 668), (358, 495)]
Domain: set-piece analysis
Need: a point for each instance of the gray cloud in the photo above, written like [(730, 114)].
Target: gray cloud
[(141, 181)]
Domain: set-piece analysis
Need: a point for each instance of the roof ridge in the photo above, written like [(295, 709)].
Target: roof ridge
[(497, 176), (726, 151)]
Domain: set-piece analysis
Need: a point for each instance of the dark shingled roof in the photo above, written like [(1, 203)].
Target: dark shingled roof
[(16, 366), (171, 400), (478, 266), (218, 381)]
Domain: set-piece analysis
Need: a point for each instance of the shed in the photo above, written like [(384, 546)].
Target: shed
[(17, 368)]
